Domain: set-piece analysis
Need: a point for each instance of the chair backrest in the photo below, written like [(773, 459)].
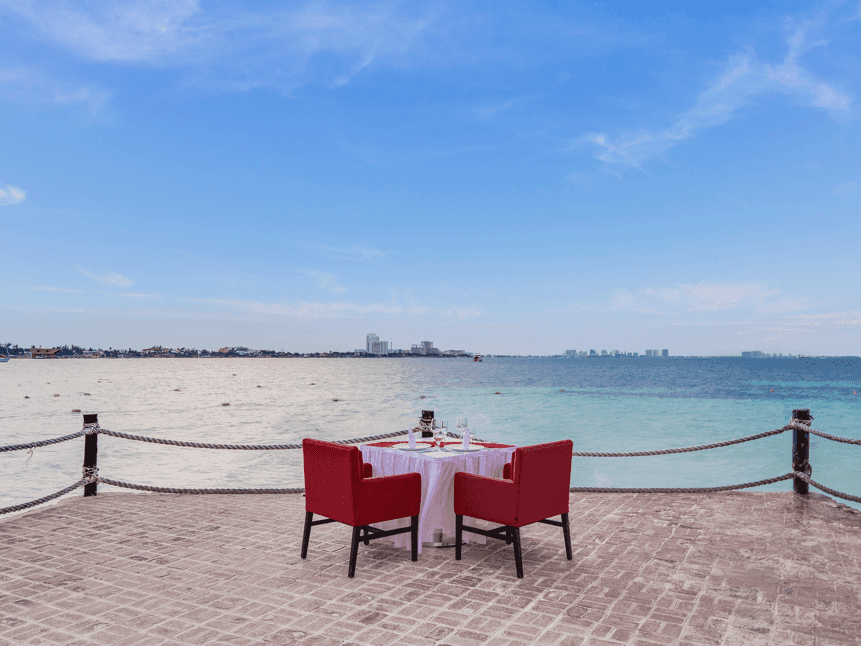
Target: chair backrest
[(542, 475), (332, 473)]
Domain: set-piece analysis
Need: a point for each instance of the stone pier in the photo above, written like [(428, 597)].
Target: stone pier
[(649, 569)]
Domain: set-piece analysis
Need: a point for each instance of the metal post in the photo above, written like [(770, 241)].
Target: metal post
[(91, 452), (801, 450)]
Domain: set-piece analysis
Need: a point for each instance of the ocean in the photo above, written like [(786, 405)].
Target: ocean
[(604, 404)]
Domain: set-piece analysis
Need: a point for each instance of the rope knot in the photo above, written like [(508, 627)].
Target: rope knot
[(91, 429), (90, 474)]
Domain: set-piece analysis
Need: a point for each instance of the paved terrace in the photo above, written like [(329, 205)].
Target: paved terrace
[(682, 569)]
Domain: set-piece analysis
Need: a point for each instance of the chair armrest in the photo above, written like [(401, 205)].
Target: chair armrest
[(367, 470), (486, 498), (388, 498), (506, 471)]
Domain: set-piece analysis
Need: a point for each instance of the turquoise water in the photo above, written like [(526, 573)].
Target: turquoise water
[(607, 405)]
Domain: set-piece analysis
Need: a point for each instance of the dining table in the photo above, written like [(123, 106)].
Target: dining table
[(437, 466)]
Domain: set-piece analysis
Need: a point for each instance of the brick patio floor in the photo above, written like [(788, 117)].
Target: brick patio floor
[(681, 569)]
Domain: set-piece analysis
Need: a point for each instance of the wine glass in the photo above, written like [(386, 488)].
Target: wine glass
[(443, 425), (459, 425), (438, 435)]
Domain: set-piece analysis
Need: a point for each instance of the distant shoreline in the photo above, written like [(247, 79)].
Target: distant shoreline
[(349, 355)]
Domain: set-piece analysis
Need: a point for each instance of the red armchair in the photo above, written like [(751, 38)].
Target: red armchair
[(534, 488), (339, 486)]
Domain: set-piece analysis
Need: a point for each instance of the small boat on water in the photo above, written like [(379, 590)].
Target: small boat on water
[(4, 359), (477, 357)]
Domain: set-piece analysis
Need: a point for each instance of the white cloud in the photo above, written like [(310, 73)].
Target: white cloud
[(325, 280), (316, 310), (139, 30), (131, 295), (848, 191), (710, 296), (26, 84), (52, 289), (10, 195), (462, 313), (744, 79), (235, 49), (111, 278), (366, 254)]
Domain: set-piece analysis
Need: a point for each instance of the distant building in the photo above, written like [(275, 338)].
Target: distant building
[(37, 353), (603, 353), (592, 353), (379, 347), (571, 353), (753, 354), (373, 345), (371, 338), (665, 353), (425, 348)]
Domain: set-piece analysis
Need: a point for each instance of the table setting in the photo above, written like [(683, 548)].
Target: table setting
[(437, 461)]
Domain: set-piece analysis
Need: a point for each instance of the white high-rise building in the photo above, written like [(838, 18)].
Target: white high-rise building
[(373, 345), (371, 338)]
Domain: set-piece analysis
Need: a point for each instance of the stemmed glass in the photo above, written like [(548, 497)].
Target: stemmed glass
[(459, 425), (438, 435), (443, 427)]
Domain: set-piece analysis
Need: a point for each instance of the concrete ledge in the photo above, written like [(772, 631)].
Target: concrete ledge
[(648, 569)]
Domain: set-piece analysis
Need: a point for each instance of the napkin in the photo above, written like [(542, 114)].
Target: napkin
[(412, 438), (466, 438)]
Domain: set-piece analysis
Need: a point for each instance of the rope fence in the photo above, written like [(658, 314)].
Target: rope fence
[(801, 473), (687, 449)]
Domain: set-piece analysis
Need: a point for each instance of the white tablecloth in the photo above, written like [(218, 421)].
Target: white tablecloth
[(437, 471)]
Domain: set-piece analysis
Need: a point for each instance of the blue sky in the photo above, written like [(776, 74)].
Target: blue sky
[(498, 177)]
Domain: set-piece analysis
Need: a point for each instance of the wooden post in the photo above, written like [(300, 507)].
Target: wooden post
[(91, 452), (801, 450)]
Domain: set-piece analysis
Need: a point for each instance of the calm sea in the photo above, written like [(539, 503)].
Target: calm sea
[(622, 404)]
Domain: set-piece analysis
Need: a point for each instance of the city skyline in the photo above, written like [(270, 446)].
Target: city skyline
[(505, 177)]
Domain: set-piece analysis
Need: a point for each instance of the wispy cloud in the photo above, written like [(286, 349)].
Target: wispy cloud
[(462, 313), (364, 254), (315, 310), (26, 84), (848, 191), (131, 295), (110, 278), (280, 48), (743, 80), (51, 289), (325, 280), (10, 195), (710, 296), (707, 297)]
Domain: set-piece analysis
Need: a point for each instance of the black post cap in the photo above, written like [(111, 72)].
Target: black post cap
[(91, 418), (802, 415)]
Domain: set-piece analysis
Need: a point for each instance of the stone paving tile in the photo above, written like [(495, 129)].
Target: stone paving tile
[(648, 570)]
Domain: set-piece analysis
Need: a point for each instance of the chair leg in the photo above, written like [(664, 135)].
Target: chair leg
[(566, 532), (354, 551), (306, 535), (367, 535), (458, 536), (518, 560), (508, 535), (414, 538)]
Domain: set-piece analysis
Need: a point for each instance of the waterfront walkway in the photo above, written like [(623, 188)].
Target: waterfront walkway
[(649, 569)]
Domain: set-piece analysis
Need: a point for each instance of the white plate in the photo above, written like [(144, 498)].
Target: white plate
[(418, 448), (462, 450)]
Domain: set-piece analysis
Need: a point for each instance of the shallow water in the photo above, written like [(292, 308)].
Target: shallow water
[(602, 404)]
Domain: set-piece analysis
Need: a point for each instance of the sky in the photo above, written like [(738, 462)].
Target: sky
[(498, 177)]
